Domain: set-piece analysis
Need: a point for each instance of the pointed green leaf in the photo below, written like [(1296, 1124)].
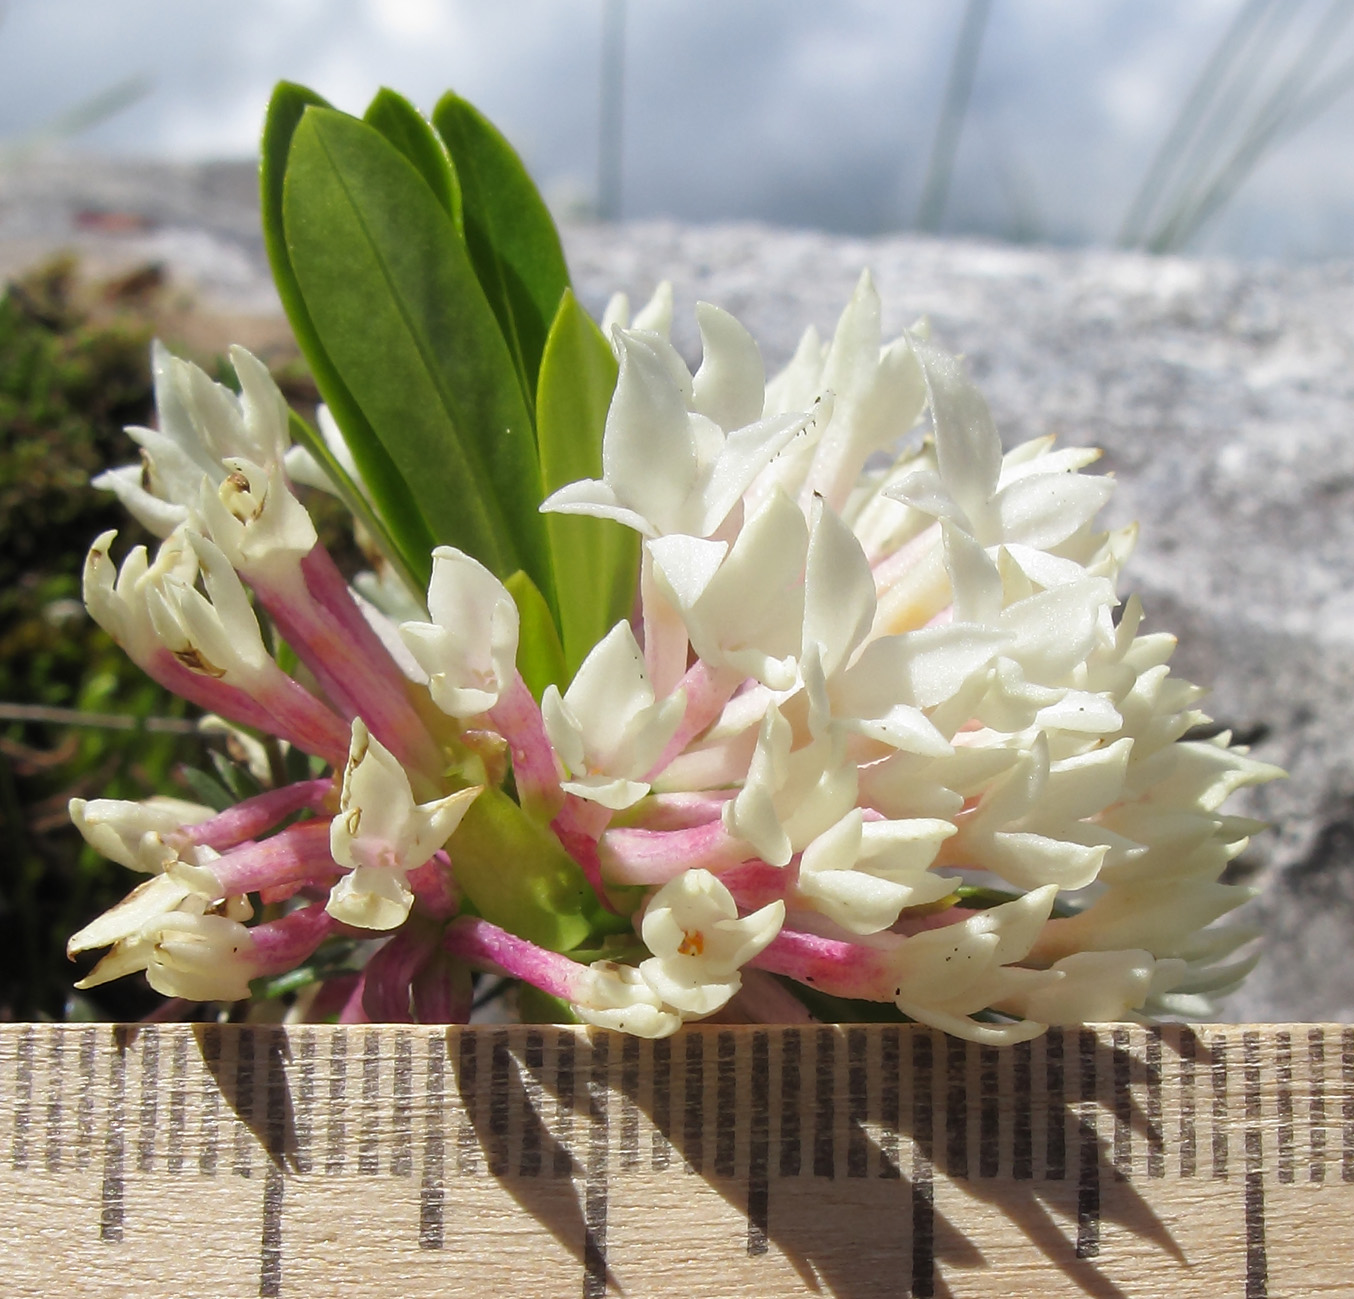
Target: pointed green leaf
[(351, 496), (517, 875), (391, 496), (540, 656), (409, 131), (400, 312), (596, 560), (508, 228)]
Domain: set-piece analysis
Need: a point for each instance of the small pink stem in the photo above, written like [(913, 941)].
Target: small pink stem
[(517, 718), (754, 884), (575, 837), (486, 946), (657, 856), (281, 945), (442, 991), (295, 856), (253, 816), (829, 965), (390, 972), (707, 691), (678, 811), (284, 708), (434, 887)]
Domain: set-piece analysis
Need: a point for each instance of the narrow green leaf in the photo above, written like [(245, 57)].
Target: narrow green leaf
[(508, 228), (517, 875), (596, 560), (409, 131), (399, 310), (391, 496), (351, 496), (540, 656)]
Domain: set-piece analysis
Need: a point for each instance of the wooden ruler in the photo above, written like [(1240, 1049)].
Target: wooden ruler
[(857, 1161)]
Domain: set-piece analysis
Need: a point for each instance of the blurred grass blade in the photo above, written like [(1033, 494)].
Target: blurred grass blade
[(399, 310), (540, 656), (513, 243), (596, 560), (411, 537), (409, 131)]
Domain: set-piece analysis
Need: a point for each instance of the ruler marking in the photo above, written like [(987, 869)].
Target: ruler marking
[(150, 1094), (402, 1118), (923, 1187), (432, 1187), (55, 1071), (178, 1104), (23, 1099), (791, 1047), (369, 1133), (304, 1119), (335, 1154), (243, 1101), (759, 1145), (209, 1102), (825, 1102), (1189, 1043), (726, 1105), (500, 1094), (989, 1111), (956, 1107), (1347, 1104), (629, 1144), (112, 1205), (1257, 1263), (595, 1191), (274, 1184), (1283, 1102), (1218, 1068), (1123, 1104), (693, 1127), (1156, 1145), (858, 1104), (1316, 1103), (1022, 1116), (564, 1105), (1055, 1140), (533, 1067), (890, 1102), (467, 1086), (661, 1104), (84, 1111), (1088, 1183)]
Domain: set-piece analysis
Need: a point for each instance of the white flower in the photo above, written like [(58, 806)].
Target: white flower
[(382, 834), (164, 928), (469, 650), (742, 605), (202, 425), (607, 727), (668, 464), (699, 943), (617, 997), (862, 873), (134, 834)]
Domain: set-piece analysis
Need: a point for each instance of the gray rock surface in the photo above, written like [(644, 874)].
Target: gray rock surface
[(1222, 394)]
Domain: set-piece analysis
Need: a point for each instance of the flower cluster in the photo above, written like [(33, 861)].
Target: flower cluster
[(879, 729)]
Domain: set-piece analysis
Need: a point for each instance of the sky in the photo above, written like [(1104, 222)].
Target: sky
[(797, 112)]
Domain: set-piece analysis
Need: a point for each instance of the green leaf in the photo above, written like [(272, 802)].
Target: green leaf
[(351, 496), (540, 656), (409, 131), (518, 877), (404, 522), (399, 310), (508, 228), (596, 560)]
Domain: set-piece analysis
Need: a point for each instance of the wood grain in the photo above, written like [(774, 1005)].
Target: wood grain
[(856, 1161)]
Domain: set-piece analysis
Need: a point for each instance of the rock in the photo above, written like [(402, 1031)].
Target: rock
[(1222, 394)]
